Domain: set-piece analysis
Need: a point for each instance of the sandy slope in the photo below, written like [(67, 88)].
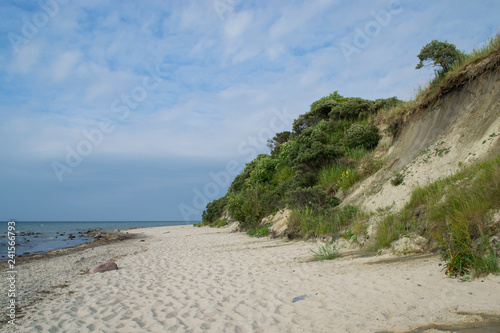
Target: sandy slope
[(201, 279), (464, 128)]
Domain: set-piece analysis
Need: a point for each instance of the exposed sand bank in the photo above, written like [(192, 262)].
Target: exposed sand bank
[(186, 279)]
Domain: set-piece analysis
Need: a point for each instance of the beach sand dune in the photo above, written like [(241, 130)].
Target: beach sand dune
[(212, 280)]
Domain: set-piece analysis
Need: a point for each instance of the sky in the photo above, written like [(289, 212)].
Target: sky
[(120, 110)]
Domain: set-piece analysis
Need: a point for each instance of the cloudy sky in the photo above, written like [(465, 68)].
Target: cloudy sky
[(146, 110)]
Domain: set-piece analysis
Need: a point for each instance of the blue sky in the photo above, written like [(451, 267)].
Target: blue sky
[(146, 110)]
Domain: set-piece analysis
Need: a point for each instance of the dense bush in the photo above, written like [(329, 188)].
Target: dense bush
[(238, 183), (320, 110), (214, 210), (362, 136), (308, 221), (290, 175), (311, 197), (263, 171), (353, 108), (278, 139), (387, 103)]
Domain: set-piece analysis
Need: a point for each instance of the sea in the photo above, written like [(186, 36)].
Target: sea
[(39, 237)]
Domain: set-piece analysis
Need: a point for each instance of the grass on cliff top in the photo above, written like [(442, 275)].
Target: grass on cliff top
[(469, 66), (456, 211)]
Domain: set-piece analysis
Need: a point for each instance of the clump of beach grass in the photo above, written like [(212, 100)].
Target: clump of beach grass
[(326, 252), (455, 211)]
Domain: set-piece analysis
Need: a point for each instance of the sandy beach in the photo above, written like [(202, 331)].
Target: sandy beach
[(187, 279)]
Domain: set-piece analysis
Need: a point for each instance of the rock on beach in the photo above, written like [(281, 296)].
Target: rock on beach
[(104, 267)]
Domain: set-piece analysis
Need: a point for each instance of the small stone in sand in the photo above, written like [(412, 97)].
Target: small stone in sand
[(104, 267), (299, 298)]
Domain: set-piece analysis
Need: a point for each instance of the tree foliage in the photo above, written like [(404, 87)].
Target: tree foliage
[(441, 54), (289, 175), (214, 210), (278, 139), (362, 136), (320, 110)]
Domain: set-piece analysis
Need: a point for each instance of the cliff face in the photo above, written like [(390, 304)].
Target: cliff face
[(460, 127)]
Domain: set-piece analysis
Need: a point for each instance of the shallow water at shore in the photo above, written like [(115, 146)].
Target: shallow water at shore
[(41, 237)]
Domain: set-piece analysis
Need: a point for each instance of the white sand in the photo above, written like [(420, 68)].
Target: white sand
[(211, 280)]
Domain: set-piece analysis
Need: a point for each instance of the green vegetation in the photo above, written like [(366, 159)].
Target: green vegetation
[(313, 222), (331, 148), (465, 68), (398, 179), (441, 54), (259, 231), (219, 223), (362, 136), (326, 252), (455, 211), (214, 211)]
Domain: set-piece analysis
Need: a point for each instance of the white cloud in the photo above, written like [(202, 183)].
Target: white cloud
[(24, 61), (65, 64), (222, 77), (238, 24)]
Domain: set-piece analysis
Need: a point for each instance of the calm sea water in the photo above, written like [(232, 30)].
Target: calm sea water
[(40, 237)]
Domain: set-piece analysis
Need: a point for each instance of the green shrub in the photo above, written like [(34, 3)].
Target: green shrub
[(311, 197), (353, 108), (263, 171), (313, 148), (260, 231), (219, 223), (348, 178), (362, 136), (214, 210), (387, 103), (244, 206), (320, 110), (453, 210), (389, 229), (326, 252), (329, 176), (240, 180), (486, 259), (311, 222), (357, 153), (457, 244), (398, 179), (461, 255)]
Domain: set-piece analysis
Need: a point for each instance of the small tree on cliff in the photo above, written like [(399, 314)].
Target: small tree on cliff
[(442, 54)]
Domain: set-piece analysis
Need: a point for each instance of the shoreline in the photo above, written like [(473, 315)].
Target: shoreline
[(40, 237), (181, 278), (49, 284), (108, 237)]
